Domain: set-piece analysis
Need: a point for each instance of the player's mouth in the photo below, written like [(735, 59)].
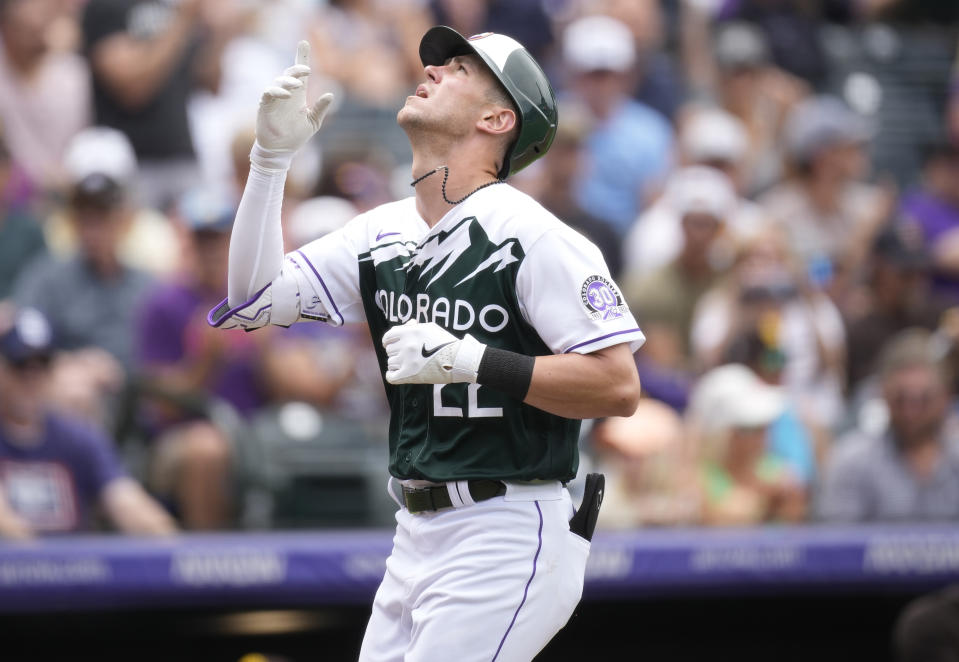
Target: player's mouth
[(421, 92)]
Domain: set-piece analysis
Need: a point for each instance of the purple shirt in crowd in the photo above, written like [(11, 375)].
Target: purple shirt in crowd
[(55, 484), (934, 217), (174, 311)]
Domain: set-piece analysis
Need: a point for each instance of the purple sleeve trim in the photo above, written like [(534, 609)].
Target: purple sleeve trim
[(594, 340), (325, 288), (216, 318), (539, 547)]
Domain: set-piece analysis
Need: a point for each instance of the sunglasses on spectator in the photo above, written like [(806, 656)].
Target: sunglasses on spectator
[(903, 397), (31, 364)]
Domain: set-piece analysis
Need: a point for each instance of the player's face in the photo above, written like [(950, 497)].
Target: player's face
[(450, 100)]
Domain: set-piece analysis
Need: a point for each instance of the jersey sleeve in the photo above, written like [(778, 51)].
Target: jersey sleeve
[(329, 275), (318, 282), (567, 295)]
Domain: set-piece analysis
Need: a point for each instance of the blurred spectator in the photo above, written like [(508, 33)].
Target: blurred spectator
[(651, 472), (555, 184), (55, 470), (658, 82), (147, 241), (910, 471), (748, 86), (360, 174), (370, 47), (952, 109), (21, 237), (729, 415), (523, 20), (708, 137), (896, 296), (182, 356), (146, 56), (701, 199), (925, 13), (792, 28), (629, 149), (927, 629), (796, 443), (44, 93), (90, 297), (933, 210), (829, 214), (764, 290)]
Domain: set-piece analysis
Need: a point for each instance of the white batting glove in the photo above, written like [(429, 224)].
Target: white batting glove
[(284, 123), (426, 353)]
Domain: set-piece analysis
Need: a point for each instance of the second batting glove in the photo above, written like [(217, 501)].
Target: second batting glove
[(426, 353)]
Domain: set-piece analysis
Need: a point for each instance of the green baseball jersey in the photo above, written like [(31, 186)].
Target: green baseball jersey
[(498, 267)]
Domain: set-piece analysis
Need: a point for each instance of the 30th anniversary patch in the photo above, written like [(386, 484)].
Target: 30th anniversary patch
[(602, 300)]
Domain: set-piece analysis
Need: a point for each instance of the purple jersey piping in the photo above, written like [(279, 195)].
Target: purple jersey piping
[(232, 312), (608, 335), (539, 546), (325, 288)]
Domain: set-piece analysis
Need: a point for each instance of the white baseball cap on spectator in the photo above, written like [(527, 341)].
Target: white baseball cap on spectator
[(740, 45), (713, 134), (733, 396), (26, 336), (100, 150), (317, 217), (822, 121), (206, 210), (701, 190), (598, 43)]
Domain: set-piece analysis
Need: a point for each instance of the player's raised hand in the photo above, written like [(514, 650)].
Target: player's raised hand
[(426, 353), (285, 122)]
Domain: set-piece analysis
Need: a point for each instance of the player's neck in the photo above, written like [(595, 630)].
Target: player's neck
[(461, 176)]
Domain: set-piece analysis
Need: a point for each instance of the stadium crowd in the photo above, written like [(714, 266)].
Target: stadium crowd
[(774, 184)]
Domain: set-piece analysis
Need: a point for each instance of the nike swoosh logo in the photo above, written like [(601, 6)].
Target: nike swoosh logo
[(430, 352), (380, 235)]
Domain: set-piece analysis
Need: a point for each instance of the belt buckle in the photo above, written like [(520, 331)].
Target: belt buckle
[(418, 499)]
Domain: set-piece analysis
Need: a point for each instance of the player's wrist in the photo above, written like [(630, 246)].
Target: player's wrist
[(467, 361), (506, 371), (270, 160)]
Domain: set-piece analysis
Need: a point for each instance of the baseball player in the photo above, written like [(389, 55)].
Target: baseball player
[(496, 326)]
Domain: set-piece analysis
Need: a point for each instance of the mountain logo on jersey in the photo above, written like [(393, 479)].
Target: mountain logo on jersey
[(441, 251), (455, 278), (602, 300)]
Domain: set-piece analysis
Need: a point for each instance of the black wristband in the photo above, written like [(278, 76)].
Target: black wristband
[(506, 371)]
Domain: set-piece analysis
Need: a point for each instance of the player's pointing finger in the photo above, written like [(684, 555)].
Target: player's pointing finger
[(303, 52)]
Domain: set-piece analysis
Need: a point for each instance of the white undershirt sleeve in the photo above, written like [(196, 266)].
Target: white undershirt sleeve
[(256, 244)]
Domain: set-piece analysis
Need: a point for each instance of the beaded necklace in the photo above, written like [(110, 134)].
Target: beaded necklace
[(446, 176)]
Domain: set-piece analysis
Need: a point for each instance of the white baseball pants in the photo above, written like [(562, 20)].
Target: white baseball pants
[(491, 581)]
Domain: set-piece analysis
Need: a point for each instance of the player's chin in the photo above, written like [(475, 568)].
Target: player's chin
[(407, 115)]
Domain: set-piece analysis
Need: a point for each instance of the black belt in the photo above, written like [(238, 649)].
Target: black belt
[(422, 499)]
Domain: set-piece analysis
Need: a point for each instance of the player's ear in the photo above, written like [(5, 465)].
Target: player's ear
[(496, 120)]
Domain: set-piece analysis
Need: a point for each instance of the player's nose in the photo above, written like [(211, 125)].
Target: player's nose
[(433, 73)]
